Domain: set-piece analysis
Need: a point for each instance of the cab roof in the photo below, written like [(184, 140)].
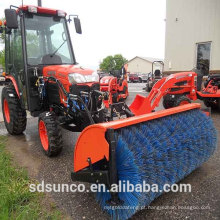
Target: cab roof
[(41, 10)]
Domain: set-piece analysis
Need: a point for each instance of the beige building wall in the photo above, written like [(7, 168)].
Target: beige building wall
[(189, 22), (139, 65)]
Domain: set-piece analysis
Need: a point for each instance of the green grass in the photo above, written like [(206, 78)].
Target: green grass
[(16, 201)]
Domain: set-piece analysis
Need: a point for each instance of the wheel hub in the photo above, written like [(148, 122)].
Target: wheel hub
[(6, 111), (43, 135)]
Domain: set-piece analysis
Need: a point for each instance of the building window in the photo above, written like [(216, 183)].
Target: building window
[(203, 57)]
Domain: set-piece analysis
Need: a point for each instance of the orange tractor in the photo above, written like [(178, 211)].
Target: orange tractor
[(189, 87), (115, 85), (122, 144)]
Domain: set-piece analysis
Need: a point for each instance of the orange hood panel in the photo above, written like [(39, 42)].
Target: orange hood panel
[(62, 71)]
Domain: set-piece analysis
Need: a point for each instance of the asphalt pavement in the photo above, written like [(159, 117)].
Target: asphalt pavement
[(202, 203)]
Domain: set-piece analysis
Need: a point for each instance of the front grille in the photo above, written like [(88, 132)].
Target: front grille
[(76, 89)]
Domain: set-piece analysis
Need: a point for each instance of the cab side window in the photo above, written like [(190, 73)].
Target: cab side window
[(14, 58), (17, 49)]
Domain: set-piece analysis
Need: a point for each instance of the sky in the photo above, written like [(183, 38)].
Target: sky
[(128, 27)]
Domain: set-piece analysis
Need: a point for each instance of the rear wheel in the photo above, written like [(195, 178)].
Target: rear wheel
[(50, 134), (182, 100), (14, 115), (168, 101)]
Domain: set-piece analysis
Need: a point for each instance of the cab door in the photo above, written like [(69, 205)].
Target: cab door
[(14, 60)]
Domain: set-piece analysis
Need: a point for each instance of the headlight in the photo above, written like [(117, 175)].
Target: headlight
[(104, 81), (79, 78), (92, 78), (76, 78)]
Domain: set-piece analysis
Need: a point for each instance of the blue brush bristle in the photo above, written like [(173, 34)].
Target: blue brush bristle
[(160, 151)]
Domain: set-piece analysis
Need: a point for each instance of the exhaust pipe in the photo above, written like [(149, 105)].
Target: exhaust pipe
[(39, 3)]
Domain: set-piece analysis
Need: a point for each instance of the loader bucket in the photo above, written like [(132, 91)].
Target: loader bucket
[(140, 105), (159, 148)]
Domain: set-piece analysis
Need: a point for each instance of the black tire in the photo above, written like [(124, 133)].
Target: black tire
[(214, 104), (125, 89), (16, 118), (54, 135), (115, 97), (140, 80), (148, 89), (181, 100), (168, 101)]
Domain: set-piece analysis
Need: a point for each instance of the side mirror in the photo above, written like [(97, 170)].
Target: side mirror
[(11, 18), (77, 25)]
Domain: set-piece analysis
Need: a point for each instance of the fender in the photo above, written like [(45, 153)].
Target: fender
[(14, 83)]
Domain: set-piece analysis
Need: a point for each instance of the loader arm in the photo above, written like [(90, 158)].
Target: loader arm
[(142, 105)]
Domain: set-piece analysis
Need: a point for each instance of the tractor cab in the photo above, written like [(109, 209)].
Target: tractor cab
[(38, 44)]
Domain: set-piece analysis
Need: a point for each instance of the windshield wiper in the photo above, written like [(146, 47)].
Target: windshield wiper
[(57, 49)]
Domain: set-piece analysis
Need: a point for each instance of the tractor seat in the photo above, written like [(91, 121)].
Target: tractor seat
[(50, 60), (215, 76), (157, 74)]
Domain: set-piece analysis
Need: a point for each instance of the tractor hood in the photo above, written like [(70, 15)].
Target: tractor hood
[(65, 70), (74, 74), (105, 79)]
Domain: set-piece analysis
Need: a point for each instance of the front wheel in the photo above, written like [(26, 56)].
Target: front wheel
[(168, 101), (15, 118), (50, 134), (182, 100)]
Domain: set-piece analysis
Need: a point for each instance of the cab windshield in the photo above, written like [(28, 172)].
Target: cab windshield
[(47, 41)]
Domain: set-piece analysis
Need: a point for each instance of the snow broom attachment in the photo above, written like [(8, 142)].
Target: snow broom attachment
[(157, 148)]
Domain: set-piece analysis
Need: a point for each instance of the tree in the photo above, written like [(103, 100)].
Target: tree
[(2, 58), (2, 35), (112, 63), (2, 53)]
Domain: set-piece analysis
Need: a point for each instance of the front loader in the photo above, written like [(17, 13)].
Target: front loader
[(118, 144), (189, 88)]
